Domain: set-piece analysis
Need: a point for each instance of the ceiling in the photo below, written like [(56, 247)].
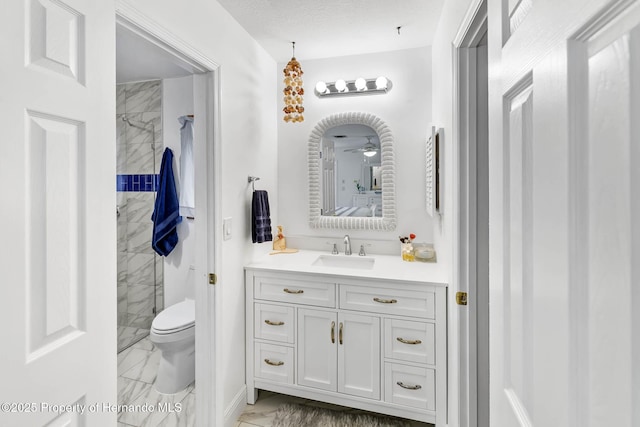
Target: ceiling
[(138, 59), (352, 136), (329, 28), (320, 28)]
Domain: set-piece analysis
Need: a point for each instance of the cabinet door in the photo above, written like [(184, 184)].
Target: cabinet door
[(359, 355), (317, 340)]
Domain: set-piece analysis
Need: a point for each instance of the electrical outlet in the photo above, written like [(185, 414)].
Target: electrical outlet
[(226, 228)]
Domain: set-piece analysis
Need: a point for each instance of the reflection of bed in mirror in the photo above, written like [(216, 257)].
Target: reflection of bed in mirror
[(367, 211)]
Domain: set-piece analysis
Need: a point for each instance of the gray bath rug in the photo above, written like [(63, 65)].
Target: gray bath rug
[(294, 415)]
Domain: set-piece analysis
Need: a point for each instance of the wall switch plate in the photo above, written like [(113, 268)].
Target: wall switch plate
[(226, 228)]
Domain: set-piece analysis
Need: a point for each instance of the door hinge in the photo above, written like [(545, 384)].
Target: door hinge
[(213, 279), (461, 298)]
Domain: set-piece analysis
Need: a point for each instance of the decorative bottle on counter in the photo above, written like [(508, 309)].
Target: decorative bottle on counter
[(407, 252)]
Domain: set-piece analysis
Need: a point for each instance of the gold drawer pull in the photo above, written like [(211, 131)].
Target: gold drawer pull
[(269, 362), (403, 341), (409, 387), (385, 301), (340, 333), (333, 332), (295, 291), (269, 322)]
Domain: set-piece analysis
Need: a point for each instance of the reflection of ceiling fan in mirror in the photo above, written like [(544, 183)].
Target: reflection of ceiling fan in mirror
[(369, 149)]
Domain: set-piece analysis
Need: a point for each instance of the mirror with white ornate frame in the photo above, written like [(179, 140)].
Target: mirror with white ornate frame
[(322, 187)]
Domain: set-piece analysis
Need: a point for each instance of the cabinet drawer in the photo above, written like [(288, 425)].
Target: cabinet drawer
[(410, 341), (274, 322), (299, 291), (410, 386), (274, 363), (388, 301)]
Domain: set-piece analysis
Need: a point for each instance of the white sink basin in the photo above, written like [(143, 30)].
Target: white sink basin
[(343, 261)]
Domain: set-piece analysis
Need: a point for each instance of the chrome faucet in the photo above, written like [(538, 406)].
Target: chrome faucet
[(347, 245)]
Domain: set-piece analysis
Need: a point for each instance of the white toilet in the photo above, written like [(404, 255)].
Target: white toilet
[(173, 333)]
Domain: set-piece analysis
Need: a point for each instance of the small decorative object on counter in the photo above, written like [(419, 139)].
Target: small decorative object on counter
[(280, 244), (406, 248), (424, 252)]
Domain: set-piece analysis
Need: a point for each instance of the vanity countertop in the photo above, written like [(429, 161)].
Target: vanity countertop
[(384, 267)]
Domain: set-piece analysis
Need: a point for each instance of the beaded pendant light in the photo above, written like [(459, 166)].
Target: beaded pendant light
[(293, 90)]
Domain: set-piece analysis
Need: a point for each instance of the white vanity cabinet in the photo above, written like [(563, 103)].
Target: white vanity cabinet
[(373, 344), (339, 352)]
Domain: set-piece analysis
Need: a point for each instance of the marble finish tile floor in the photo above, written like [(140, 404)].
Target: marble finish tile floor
[(128, 335), (263, 412), (137, 368)]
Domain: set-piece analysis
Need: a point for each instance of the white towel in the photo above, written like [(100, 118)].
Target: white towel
[(187, 177)]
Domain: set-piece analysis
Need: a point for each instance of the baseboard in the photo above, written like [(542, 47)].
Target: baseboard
[(235, 409)]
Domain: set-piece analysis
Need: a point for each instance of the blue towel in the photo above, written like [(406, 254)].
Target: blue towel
[(260, 220), (166, 212)]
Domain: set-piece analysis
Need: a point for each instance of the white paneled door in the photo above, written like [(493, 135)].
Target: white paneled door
[(565, 212), (57, 171)]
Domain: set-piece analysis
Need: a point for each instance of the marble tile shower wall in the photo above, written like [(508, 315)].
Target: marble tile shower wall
[(137, 161)]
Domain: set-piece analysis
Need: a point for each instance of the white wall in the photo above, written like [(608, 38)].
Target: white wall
[(453, 13), (406, 109), (177, 100), (248, 139)]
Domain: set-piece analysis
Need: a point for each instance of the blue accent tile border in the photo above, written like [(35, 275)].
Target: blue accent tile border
[(137, 182)]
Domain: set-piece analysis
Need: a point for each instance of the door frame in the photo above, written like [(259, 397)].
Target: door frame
[(465, 233), (207, 189)]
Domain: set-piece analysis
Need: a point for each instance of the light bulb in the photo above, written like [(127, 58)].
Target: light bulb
[(361, 84), (381, 82), (341, 85), (370, 153), (321, 87)]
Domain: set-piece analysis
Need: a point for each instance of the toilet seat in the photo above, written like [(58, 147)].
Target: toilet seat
[(178, 317)]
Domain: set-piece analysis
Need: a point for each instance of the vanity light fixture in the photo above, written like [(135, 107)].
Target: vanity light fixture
[(382, 83), (321, 87), (341, 86), (353, 87)]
